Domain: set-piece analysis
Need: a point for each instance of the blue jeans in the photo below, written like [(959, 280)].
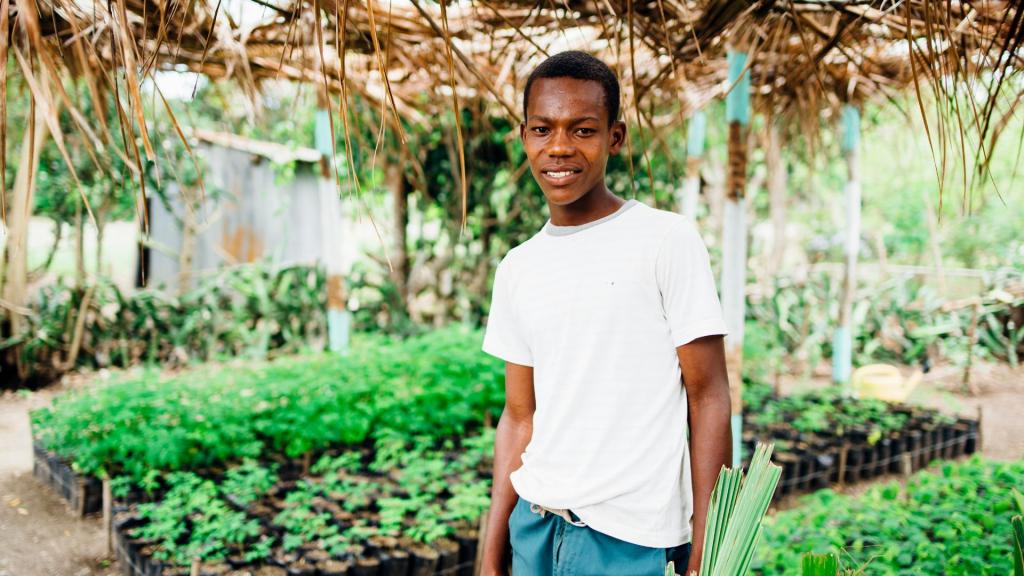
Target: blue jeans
[(549, 546)]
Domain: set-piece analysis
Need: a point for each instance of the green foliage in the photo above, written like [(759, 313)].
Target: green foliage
[(250, 311), (828, 411), (820, 565), (735, 514), (951, 521), (249, 481), (1018, 545), (435, 387), (902, 321), (194, 521)]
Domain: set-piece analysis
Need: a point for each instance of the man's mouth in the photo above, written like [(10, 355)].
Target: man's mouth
[(561, 177)]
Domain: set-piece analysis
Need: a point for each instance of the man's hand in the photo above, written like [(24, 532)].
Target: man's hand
[(515, 428), (707, 393)]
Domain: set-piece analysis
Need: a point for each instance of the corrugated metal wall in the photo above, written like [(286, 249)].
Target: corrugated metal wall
[(249, 217)]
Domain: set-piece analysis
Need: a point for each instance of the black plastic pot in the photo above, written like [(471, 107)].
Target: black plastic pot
[(394, 563), (824, 464), (854, 461), (468, 543), (897, 448), (335, 568), (423, 560), (914, 448), (365, 566), (448, 555)]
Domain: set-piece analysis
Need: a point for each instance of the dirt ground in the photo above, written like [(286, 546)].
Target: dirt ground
[(40, 537)]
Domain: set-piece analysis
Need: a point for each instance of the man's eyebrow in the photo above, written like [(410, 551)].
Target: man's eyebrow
[(571, 121)]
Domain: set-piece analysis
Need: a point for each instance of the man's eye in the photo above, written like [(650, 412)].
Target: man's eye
[(539, 130), (586, 131)]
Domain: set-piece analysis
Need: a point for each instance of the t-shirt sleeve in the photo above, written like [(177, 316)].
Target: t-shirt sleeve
[(687, 285), (503, 336)]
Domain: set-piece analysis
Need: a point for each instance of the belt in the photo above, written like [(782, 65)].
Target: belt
[(560, 512)]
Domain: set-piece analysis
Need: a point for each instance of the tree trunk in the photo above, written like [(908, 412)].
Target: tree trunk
[(16, 265), (776, 197), (400, 203), (79, 246), (100, 228)]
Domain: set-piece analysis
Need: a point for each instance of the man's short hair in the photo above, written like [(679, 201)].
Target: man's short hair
[(581, 66)]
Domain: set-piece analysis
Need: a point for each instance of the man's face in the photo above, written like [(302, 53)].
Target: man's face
[(567, 137)]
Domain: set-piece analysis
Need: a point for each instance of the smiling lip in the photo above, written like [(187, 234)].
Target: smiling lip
[(561, 176)]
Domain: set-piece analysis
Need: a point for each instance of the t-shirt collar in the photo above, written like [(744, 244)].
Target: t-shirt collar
[(554, 230)]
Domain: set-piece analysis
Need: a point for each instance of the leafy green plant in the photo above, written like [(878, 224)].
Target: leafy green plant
[(820, 565), (249, 481), (433, 387), (1018, 534), (951, 521), (252, 311), (735, 513), (193, 521)]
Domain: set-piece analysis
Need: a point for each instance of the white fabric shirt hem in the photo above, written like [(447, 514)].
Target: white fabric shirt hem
[(655, 539)]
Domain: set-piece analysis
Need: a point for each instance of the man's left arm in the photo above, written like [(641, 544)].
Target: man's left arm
[(707, 392)]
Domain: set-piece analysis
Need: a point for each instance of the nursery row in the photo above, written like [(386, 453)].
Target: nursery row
[(956, 520), (823, 438), (438, 386), (401, 509)]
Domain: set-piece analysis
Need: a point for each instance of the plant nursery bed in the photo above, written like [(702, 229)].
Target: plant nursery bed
[(401, 509), (819, 444), (84, 494)]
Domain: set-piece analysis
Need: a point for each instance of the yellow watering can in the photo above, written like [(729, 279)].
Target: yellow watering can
[(884, 382)]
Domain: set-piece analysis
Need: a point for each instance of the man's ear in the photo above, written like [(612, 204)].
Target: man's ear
[(618, 136), (522, 130)]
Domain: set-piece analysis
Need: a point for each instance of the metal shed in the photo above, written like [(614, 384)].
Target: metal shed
[(250, 214)]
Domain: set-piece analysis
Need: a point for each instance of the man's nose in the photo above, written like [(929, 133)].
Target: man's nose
[(561, 145)]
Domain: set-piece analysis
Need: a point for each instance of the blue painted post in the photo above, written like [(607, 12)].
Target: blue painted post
[(695, 131), (331, 220), (842, 340), (734, 245)]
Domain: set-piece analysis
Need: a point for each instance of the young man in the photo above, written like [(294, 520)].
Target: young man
[(611, 330)]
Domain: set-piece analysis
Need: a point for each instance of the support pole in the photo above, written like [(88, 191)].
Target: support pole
[(777, 200), (842, 341), (15, 288), (331, 220), (734, 245), (695, 131)]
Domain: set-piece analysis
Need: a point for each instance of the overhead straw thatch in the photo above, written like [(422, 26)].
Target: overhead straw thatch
[(414, 57)]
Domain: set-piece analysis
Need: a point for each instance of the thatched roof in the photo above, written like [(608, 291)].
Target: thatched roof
[(411, 56)]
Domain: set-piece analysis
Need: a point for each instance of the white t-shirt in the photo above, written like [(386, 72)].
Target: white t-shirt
[(598, 310)]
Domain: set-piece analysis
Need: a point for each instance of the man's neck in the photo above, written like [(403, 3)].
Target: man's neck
[(593, 205)]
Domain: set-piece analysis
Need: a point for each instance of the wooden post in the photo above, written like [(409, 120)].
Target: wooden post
[(906, 464), (844, 454), (734, 245), (331, 219), (396, 183), (776, 196), (107, 516), (481, 537), (972, 335), (979, 444), (695, 131), (842, 341), (16, 264)]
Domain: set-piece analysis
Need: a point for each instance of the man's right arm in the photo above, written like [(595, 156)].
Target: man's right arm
[(515, 428)]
